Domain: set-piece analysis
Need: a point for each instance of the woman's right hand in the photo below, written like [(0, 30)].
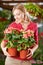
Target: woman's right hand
[(4, 48), (5, 51)]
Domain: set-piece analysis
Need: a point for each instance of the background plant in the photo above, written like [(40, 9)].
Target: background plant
[(5, 14), (34, 9), (38, 55)]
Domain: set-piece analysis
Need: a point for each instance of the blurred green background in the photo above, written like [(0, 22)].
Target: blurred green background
[(6, 18)]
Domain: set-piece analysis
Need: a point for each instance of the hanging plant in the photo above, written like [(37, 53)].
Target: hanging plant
[(34, 10)]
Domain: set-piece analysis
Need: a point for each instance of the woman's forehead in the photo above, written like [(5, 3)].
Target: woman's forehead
[(16, 11)]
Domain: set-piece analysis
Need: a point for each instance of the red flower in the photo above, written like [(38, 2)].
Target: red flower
[(5, 40)]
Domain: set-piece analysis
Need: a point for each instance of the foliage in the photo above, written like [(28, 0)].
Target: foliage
[(2, 62), (20, 39), (12, 38), (42, 13), (38, 55), (34, 9), (3, 25), (5, 14)]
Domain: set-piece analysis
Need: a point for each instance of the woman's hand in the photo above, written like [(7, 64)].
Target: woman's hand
[(5, 51), (30, 53), (4, 48)]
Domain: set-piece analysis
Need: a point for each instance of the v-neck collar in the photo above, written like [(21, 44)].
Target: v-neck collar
[(19, 24), (27, 26)]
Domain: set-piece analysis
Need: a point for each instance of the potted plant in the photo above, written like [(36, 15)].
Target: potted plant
[(34, 10), (25, 42), (19, 41), (11, 49), (22, 48), (12, 42)]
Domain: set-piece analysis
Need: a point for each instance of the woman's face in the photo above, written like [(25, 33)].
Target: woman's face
[(18, 15)]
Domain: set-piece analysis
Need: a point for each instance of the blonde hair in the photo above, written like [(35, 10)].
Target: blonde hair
[(21, 8)]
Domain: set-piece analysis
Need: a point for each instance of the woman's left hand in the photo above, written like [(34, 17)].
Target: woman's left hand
[(30, 53)]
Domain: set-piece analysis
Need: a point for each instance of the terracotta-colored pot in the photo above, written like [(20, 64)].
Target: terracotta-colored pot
[(23, 54), (12, 51)]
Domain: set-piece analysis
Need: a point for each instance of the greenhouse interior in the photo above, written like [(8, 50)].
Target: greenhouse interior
[(35, 13)]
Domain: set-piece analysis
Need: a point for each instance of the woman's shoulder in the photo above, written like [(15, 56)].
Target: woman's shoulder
[(33, 24)]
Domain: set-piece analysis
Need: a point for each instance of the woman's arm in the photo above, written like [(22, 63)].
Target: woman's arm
[(4, 42), (35, 46), (4, 48), (36, 39)]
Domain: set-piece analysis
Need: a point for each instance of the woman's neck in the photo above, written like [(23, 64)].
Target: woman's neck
[(25, 24)]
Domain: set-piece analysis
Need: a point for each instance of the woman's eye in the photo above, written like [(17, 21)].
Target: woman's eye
[(18, 14)]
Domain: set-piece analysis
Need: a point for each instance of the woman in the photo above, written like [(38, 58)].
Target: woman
[(22, 21)]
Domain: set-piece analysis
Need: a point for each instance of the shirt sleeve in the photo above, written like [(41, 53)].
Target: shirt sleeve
[(36, 34), (12, 25)]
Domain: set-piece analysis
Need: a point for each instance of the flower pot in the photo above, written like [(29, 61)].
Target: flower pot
[(12, 51), (23, 54)]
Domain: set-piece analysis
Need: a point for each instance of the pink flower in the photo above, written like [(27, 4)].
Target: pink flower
[(25, 36), (30, 33), (5, 40)]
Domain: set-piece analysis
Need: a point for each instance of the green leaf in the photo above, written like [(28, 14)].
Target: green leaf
[(21, 41), (8, 45), (8, 36), (15, 44), (19, 48)]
